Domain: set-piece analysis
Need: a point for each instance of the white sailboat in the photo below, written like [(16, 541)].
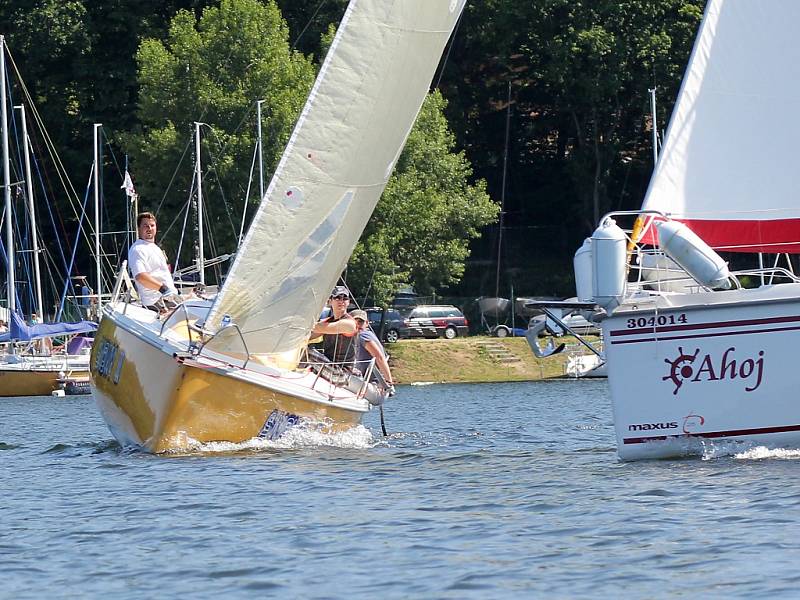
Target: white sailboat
[(695, 359), (227, 368)]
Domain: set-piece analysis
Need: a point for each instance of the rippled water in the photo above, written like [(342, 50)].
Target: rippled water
[(480, 491)]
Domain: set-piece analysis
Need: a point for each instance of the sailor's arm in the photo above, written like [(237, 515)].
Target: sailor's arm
[(345, 326), (150, 282), (380, 360)]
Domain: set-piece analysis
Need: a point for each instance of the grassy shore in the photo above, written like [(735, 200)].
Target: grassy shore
[(471, 359)]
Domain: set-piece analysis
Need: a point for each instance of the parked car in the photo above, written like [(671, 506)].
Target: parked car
[(436, 321), (393, 327)]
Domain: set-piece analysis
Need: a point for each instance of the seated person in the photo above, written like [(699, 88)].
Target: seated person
[(149, 268), (339, 330), (368, 346)]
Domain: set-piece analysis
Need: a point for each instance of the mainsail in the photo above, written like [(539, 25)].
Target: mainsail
[(723, 169), (334, 169)]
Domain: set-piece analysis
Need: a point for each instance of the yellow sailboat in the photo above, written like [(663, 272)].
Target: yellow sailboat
[(228, 367)]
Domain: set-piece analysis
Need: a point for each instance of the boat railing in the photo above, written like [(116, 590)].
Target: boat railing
[(205, 342), (175, 311), (670, 274), (123, 289), (352, 375)]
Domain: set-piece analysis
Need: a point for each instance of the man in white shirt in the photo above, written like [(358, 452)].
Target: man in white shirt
[(148, 265)]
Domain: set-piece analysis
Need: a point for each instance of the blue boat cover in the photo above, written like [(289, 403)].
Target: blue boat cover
[(19, 331)]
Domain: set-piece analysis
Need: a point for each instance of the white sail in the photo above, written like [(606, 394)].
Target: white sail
[(722, 170), (334, 169)]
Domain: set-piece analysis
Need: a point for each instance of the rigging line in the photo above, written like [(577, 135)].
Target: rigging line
[(174, 175), (183, 229), (114, 238), (111, 152), (68, 281), (50, 205), (314, 16), (247, 196), (71, 193), (203, 112), (449, 48), (207, 223), (213, 167)]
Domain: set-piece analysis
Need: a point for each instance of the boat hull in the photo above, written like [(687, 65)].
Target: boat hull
[(35, 375), (700, 370), (158, 402), (32, 382)]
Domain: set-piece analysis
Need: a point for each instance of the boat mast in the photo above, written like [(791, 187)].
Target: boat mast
[(260, 153), (200, 259), (12, 304), (96, 174), (503, 196), (37, 274), (655, 125)]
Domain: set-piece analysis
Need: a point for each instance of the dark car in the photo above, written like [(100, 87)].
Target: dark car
[(437, 321), (393, 326)]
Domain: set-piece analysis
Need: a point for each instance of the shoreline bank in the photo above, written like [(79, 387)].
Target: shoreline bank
[(474, 359)]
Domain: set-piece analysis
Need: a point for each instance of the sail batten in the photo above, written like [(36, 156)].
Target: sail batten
[(720, 170), (338, 160)]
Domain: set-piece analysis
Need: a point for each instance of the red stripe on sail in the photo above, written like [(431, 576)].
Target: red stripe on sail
[(773, 236)]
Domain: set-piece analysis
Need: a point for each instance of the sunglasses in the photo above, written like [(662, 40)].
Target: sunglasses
[(341, 297)]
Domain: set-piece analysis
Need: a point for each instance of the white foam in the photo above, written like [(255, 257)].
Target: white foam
[(304, 435), (761, 452)]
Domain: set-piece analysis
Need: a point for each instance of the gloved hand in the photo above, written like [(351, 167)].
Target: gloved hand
[(166, 290), (391, 391)]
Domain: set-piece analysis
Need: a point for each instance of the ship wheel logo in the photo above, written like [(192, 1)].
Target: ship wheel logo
[(680, 369)]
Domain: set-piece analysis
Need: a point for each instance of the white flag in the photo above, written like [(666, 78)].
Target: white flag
[(127, 185)]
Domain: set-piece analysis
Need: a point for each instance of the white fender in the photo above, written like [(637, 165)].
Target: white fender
[(608, 265), (696, 257), (664, 274), (582, 264)]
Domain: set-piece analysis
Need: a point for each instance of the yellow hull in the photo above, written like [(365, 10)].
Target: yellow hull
[(161, 403), (31, 382)]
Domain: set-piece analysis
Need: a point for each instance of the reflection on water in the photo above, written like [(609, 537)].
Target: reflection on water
[(478, 491)]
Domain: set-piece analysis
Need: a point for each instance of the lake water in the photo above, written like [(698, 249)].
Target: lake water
[(480, 491)]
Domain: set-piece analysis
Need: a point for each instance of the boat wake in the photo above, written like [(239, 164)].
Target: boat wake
[(761, 452), (304, 435), (743, 451)]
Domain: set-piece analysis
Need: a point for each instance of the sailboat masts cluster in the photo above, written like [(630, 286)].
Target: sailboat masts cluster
[(7, 180), (198, 173), (96, 176), (32, 211)]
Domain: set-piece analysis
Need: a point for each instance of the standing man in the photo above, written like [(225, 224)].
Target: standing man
[(148, 265), (339, 330)]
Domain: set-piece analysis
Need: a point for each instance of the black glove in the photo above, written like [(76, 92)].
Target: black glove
[(163, 289)]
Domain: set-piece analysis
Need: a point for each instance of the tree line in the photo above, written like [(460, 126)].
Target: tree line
[(542, 107)]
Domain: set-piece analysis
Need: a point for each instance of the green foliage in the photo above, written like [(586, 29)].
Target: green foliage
[(580, 141), (214, 70), (429, 212), (580, 125)]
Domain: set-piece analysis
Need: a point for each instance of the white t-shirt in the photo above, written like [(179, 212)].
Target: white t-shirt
[(147, 257)]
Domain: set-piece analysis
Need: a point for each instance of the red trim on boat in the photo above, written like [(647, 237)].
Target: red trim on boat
[(771, 236), (703, 335), (712, 325)]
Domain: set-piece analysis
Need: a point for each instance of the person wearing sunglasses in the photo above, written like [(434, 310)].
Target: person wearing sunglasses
[(339, 330)]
